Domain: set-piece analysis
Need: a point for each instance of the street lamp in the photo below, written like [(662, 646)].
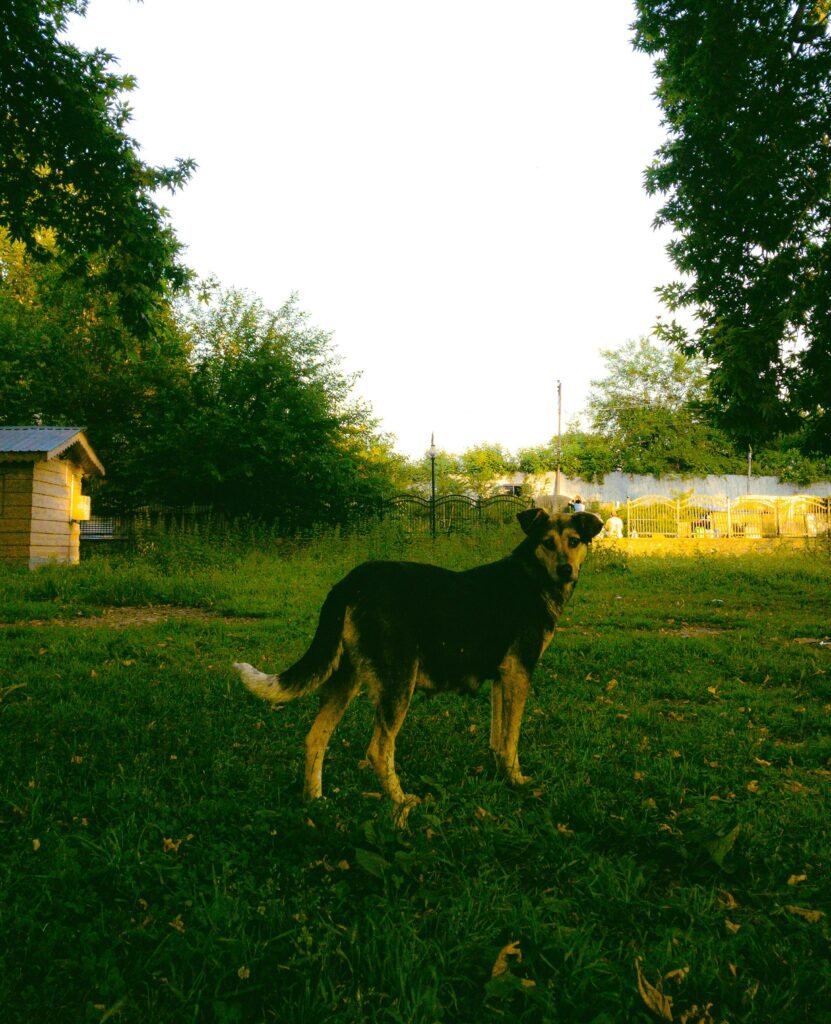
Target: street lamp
[(558, 480), (432, 452)]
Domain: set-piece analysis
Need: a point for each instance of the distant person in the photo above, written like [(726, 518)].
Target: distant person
[(614, 526), (577, 505)]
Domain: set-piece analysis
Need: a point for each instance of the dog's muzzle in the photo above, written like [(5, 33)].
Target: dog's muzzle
[(565, 573)]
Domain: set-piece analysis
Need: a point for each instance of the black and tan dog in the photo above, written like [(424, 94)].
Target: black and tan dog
[(394, 627)]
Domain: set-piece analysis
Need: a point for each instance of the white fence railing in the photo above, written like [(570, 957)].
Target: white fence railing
[(753, 515)]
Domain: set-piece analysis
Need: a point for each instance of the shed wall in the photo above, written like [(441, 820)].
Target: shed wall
[(53, 536), (15, 511)]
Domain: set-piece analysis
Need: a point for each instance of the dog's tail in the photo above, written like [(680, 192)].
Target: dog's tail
[(314, 668)]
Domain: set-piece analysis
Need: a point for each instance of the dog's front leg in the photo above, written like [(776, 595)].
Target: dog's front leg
[(514, 683)]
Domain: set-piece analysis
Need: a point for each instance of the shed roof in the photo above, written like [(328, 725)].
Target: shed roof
[(36, 443)]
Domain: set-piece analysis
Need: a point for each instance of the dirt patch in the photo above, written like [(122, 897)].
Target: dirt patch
[(691, 631), (123, 618)]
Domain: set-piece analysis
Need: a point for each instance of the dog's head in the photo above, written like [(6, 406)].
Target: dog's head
[(560, 542)]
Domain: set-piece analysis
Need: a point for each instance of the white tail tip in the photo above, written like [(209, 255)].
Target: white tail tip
[(262, 685)]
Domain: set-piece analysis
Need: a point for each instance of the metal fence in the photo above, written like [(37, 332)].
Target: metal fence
[(450, 513), (753, 515)]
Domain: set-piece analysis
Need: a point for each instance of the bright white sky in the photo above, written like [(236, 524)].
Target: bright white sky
[(453, 187)]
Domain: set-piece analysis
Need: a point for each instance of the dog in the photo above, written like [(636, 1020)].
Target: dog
[(394, 627)]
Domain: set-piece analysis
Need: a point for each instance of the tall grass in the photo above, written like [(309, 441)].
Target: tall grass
[(158, 863)]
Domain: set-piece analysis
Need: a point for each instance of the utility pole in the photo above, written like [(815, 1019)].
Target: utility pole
[(559, 435)]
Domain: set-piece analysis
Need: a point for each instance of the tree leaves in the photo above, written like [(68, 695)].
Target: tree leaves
[(745, 91), (68, 164)]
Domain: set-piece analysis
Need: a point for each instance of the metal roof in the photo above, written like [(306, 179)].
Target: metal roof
[(48, 443)]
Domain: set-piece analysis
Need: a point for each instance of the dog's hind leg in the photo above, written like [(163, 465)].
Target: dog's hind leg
[(335, 696), (496, 716), (514, 682), (390, 711)]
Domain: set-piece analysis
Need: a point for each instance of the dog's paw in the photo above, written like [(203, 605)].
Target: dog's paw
[(518, 779), (401, 811)]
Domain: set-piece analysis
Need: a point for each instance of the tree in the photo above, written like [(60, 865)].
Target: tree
[(67, 164), (66, 357), (651, 411), (583, 455), (483, 464), (745, 174), (272, 429)]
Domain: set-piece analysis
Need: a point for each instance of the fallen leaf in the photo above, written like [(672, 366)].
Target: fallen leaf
[(753, 786), (677, 975), (796, 879), (812, 916), (500, 965), (655, 1000), (731, 926), (35, 845), (177, 924), (696, 1016), (727, 899)]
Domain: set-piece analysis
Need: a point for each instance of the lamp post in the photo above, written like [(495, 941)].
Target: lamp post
[(432, 452), (559, 435)]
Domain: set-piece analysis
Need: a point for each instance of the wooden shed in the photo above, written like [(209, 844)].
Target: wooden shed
[(41, 497)]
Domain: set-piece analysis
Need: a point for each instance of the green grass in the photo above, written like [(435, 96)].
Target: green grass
[(158, 863)]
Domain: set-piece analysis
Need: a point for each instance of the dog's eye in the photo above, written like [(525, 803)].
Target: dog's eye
[(550, 543), (574, 542)]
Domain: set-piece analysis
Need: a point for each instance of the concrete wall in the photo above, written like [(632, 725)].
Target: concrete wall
[(617, 487)]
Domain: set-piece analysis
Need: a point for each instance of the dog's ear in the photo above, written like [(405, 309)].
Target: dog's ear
[(529, 518), (587, 524)]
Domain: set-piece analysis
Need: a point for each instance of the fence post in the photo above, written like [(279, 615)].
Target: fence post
[(729, 521), (678, 517), (628, 516)]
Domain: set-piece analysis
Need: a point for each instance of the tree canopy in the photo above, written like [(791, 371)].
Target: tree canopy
[(67, 163), (745, 176), (651, 410), (272, 428)]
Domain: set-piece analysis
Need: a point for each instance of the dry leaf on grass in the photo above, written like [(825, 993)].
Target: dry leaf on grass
[(812, 916), (654, 999), (500, 965)]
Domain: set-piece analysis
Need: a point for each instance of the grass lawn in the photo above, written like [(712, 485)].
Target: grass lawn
[(158, 863)]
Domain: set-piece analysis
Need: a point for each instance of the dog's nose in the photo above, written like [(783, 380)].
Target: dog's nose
[(565, 572)]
